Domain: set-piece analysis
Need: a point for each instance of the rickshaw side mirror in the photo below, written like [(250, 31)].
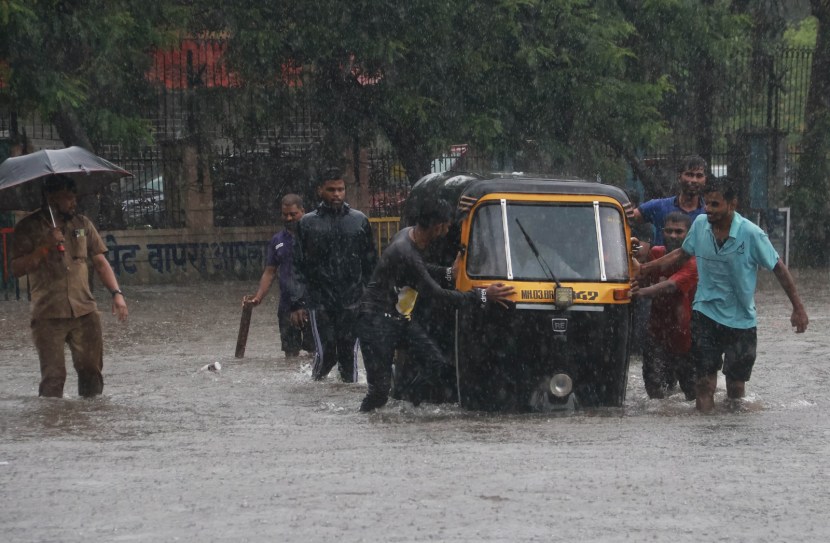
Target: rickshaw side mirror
[(563, 297)]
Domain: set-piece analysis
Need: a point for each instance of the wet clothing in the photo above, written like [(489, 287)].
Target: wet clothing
[(728, 273), (385, 323), (334, 256), (60, 286), (663, 369), (724, 319), (281, 255), (715, 346), (335, 343), (666, 358), (655, 211), (83, 335), (63, 309), (381, 334), (671, 314), (402, 275), (293, 339)]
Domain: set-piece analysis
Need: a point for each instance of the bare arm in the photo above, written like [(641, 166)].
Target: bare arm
[(674, 258), (663, 287), (105, 273), (264, 286), (633, 214), (799, 316)]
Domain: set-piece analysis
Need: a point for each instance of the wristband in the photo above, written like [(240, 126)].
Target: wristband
[(117, 291), (481, 294)]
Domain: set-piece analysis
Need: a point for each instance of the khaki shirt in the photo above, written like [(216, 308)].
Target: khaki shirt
[(60, 285)]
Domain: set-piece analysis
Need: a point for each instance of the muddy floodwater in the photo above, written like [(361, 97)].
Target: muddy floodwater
[(259, 452)]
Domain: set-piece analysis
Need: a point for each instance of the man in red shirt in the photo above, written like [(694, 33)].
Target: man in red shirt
[(666, 357)]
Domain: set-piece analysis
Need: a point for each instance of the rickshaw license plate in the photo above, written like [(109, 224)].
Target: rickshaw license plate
[(560, 326)]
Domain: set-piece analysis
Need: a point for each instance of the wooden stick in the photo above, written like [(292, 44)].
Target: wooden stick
[(244, 325)]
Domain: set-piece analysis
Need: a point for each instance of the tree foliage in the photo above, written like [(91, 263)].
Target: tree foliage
[(514, 77), (81, 64), (557, 80), (561, 84)]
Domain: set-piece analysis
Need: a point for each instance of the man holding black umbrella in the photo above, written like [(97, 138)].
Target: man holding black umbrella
[(53, 247)]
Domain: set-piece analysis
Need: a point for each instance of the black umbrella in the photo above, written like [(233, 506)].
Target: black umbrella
[(19, 188)]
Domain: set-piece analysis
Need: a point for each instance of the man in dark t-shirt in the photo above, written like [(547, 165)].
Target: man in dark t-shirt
[(400, 278), (280, 257)]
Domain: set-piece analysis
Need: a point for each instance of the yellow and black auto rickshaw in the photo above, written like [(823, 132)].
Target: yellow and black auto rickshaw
[(565, 247)]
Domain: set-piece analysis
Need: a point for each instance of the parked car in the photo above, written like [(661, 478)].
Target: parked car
[(143, 206)]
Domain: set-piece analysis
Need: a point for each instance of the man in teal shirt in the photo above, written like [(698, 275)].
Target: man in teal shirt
[(729, 250)]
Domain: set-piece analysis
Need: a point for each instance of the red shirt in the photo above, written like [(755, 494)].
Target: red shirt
[(671, 314)]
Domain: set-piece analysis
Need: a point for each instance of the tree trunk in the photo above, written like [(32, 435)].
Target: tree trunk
[(70, 130), (704, 105), (654, 187), (810, 198), (411, 151)]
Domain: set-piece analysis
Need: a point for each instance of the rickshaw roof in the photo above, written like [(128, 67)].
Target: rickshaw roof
[(452, 185), (542, 185)]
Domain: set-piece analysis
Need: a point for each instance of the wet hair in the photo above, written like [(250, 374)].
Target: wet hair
[(678, 217), (725, 185), (691, 163), (431, 212), (331, 174), (292, 200), (57, 183)]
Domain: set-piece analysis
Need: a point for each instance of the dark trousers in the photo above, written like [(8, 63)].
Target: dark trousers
[(662, 368), (83, 335), (335, 343), (715, 346), (292, 339), (380, 336)]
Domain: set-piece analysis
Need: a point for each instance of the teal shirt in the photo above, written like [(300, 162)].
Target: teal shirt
[(727, 275)]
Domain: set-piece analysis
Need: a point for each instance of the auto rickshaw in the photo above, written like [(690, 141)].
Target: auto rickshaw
[(566, 248)]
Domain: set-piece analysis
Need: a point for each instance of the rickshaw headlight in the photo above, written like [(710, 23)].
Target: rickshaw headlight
[(561, 385), (563, 297)]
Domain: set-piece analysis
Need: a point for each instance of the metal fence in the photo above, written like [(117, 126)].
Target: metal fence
[(762, 97), (260, 141)]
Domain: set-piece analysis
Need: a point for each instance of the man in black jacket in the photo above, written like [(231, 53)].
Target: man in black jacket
[(401, 278), (334, 255)]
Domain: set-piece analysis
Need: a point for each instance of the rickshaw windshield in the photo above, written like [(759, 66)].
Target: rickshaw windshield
[(579, 242)]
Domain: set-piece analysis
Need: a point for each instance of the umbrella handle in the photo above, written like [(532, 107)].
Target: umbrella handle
[(60, 248)]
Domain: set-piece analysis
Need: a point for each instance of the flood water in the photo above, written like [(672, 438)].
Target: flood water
[(259, 452)]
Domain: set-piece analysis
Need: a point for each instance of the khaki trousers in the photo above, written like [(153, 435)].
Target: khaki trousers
[(83, 335)]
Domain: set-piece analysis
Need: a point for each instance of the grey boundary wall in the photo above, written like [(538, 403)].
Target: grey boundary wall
[(141, 257)]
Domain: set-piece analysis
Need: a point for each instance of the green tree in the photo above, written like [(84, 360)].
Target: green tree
[(509, 77), (690, 45), (82, 64)]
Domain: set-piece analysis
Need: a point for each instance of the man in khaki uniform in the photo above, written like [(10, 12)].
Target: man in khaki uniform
[(63, 309)]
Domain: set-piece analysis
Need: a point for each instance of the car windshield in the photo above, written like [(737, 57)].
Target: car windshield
[(569, 237)]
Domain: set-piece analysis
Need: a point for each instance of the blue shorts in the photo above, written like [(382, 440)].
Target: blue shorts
[(715, 345)]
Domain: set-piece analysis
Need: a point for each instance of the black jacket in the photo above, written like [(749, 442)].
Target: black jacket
[(334, 256)]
